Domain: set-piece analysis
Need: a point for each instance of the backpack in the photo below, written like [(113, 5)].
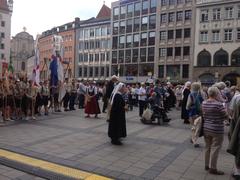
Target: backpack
[(197, 101)]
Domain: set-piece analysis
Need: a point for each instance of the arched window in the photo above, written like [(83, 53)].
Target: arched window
[(235, 58), (23, 66), (221, 58), (204, 58)]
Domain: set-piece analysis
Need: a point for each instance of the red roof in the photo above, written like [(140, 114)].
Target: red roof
[(4, 5), (105, 12)]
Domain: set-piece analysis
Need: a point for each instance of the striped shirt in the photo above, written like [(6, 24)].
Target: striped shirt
[(214, 115)]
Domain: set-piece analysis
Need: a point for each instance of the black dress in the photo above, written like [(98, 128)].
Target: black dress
[(185, 114), (117, 121)]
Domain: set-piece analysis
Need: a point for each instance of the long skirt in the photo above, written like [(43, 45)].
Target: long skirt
[(92, 106)]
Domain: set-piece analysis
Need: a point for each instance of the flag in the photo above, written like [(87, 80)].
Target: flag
[(36, 70), (54, 71)]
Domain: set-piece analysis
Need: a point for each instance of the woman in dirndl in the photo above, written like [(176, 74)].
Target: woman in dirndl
[(91, 102)]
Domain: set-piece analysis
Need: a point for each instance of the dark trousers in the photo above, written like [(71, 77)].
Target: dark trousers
[(105, 104), (72, 100), (66, 100), (81, 101), (142, 106)]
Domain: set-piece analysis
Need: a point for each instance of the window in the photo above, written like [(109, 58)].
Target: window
[(145, 5), (123, 12), (203, 36), (171, 17), (171, 2), (91, 32), (144, 23), (204, 58), (216, 36), (151, 38), (161, 71), (151, 54), (170, 34), (90, 71), (102, 57), (130, 10), (2, 56), (3, 23), (115, 42), (163, 18), (23, 66), (163, 2), (162, 52), (80, 58), (186, 51), (163, 35), (169, 52), (188, 1), (128, 54), (96, 72), (228, 35), (153, 6), (229, 12), (143, 39), (238, 34), (143, 54), (178, 33), (220, 58), (177, 51), (121, 56), (185, 69), (152, 22), (187, 33), (135, 55), (129, 25), (136, 24), (129, 41), (238, 12), (121, 41), (91, 57), (2, 35), (136, 40), (114, 57), (98, 32), (179, 16), (85, 57), (217, 14), (115, 27), (104, 29), (108, 56), (137, 8), (81, 34), (85, 71), (122, 27), (115, 13), (86, 33), (188, 15), (102, 71), (96, 57), (80, 72), (179, 1), (204, 15)]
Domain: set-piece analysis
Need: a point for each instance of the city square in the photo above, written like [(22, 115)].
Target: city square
[(149, 151)]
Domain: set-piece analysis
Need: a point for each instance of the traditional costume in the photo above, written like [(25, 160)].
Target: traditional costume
[(91, 103)]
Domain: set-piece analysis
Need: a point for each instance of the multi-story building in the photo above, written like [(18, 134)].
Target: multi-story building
[(217, 37), (45, 44), (93, 47), (22, 48), (5, 31), (152, 38), (176, 39)]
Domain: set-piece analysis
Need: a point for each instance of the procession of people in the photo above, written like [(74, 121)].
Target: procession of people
[(206, 108)]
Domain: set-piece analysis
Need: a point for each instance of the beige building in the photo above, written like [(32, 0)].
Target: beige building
[(5, 32), (217, 41), (22, 48)]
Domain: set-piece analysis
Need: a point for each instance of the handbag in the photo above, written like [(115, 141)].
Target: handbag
[(147, 114)]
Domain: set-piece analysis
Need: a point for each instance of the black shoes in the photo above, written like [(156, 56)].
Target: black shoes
[(116, 142)]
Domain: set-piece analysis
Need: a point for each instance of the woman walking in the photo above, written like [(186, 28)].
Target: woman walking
[(186, 92), (117, 120)]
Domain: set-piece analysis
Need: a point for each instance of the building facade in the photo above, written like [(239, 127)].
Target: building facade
[(152, 38), (217, 41), (5, 31), (22, 48), (45, 44), (93, 47)]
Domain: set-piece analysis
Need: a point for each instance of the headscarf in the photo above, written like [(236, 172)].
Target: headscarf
[(115, 91)]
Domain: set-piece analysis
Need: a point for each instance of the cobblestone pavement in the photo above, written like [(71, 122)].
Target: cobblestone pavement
[(149, 151)]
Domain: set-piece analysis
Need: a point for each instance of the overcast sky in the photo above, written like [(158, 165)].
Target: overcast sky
[(40, 15)]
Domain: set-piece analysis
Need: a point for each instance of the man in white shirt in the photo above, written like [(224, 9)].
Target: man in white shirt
[(142, 97)]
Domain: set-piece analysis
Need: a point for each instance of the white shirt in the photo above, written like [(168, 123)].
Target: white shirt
[(142, 94)]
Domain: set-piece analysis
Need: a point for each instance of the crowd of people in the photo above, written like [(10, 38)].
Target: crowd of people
[(208, 109)]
